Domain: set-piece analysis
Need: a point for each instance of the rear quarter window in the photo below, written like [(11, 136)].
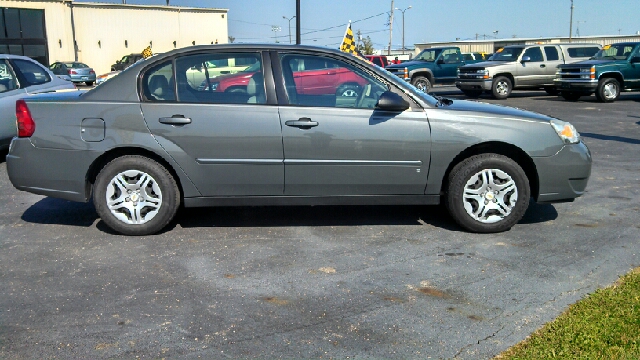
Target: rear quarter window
[(31, 73), (582, 51)]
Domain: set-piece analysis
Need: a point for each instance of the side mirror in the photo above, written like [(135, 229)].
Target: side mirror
[(635, 60), (525, 59), (440, 61), (390, 101)]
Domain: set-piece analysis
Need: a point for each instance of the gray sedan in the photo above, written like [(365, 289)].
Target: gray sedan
[(151, 139)]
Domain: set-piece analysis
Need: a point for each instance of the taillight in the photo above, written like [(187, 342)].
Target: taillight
[(72, 72), (26, 125), (91, 72)]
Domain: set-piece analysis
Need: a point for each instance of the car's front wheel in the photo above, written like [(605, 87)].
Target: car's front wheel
[(135, 195), (348, 90), (608, 90), (487, 193), (422, 83), (501, 87)]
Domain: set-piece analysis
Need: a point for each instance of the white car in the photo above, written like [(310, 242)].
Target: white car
[(21, 76)]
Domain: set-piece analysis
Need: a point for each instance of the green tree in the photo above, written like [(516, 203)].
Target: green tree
[(366, 46)]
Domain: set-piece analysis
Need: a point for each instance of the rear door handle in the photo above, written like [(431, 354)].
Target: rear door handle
[(302, 123), (175, 120), (543, 65)]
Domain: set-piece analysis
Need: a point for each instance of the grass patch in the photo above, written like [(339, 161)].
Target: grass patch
[(604, 325)]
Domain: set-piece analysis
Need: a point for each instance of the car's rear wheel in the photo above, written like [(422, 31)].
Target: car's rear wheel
[(570, 96), (608, 90), (501, 87), (135, 195), (89, 83), (422, 83), (487, 193), (474, 94)]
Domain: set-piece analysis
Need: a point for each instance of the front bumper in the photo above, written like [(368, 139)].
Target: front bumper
[(563, 176), (469, 84), (576, 85), (40, 170)]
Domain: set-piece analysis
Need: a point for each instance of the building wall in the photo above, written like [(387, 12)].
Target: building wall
[(57, 18), (102, 29)]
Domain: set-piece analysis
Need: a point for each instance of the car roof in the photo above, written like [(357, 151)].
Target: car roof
[(10, 56)]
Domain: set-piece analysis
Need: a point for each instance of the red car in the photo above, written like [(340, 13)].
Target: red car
[(314, 79)]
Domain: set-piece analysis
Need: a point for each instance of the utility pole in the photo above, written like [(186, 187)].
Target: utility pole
[(390, 28), (403, 26), (571, 22), (297, 22), (291, 18)]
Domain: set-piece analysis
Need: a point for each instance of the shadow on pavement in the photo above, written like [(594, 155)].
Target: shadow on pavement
[(61, 212), (539, 213), (612, 137)]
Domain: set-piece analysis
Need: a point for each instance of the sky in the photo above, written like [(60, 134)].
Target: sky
[(323, 22)]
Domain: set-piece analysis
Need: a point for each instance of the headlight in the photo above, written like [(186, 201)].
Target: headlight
[(566, 131)]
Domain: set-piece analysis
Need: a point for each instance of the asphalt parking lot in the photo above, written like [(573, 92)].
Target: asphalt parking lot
[(312, 282)]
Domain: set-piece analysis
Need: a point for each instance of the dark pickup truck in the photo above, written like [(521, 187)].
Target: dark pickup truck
[(613, 69), (431, 66)]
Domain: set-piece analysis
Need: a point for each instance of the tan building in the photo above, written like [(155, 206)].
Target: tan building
[(47, 30), (490, 46)]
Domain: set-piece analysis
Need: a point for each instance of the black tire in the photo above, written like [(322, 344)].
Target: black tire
[(422, 83), (89, 83), (552, 91), (474, 94), (501, 87), (348, 90), (570, 96), (608, 90), (505, 171), (160, 185)]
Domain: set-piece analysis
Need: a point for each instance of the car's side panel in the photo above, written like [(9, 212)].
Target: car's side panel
[(59, 134), (455, 131)]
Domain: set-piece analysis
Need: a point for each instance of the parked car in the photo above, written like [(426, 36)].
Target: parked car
[(20, 77), (309, 77), (126, 61), (146, 142), (613, 69), (78, 72), (378, 60), (431, 66), (473, 57), (519, 67)]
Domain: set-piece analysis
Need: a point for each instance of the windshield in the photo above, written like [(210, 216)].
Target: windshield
[(507, 54), (615, 52), (429, 55)]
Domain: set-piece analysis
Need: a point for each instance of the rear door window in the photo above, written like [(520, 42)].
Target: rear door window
[(30, 72), (551, 52)]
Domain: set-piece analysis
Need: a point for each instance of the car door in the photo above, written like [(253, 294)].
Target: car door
[(342, 145), (228, 143), (531, 72), (553, 59), (631, 72), (447, 65)]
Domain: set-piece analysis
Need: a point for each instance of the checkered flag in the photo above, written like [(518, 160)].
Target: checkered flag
[(349, 43), (146, 53)]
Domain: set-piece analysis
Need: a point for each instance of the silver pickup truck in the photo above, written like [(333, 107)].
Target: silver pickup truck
[(520, 66)]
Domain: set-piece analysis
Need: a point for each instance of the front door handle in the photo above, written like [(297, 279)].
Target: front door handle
[(175, 120), (543, 65), (302, 123)]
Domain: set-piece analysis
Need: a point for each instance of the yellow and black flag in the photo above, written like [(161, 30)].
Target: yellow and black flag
[(349, 42), (147, 53)]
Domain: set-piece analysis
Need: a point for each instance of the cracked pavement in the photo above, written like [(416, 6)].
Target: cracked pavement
[(311, 282)]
